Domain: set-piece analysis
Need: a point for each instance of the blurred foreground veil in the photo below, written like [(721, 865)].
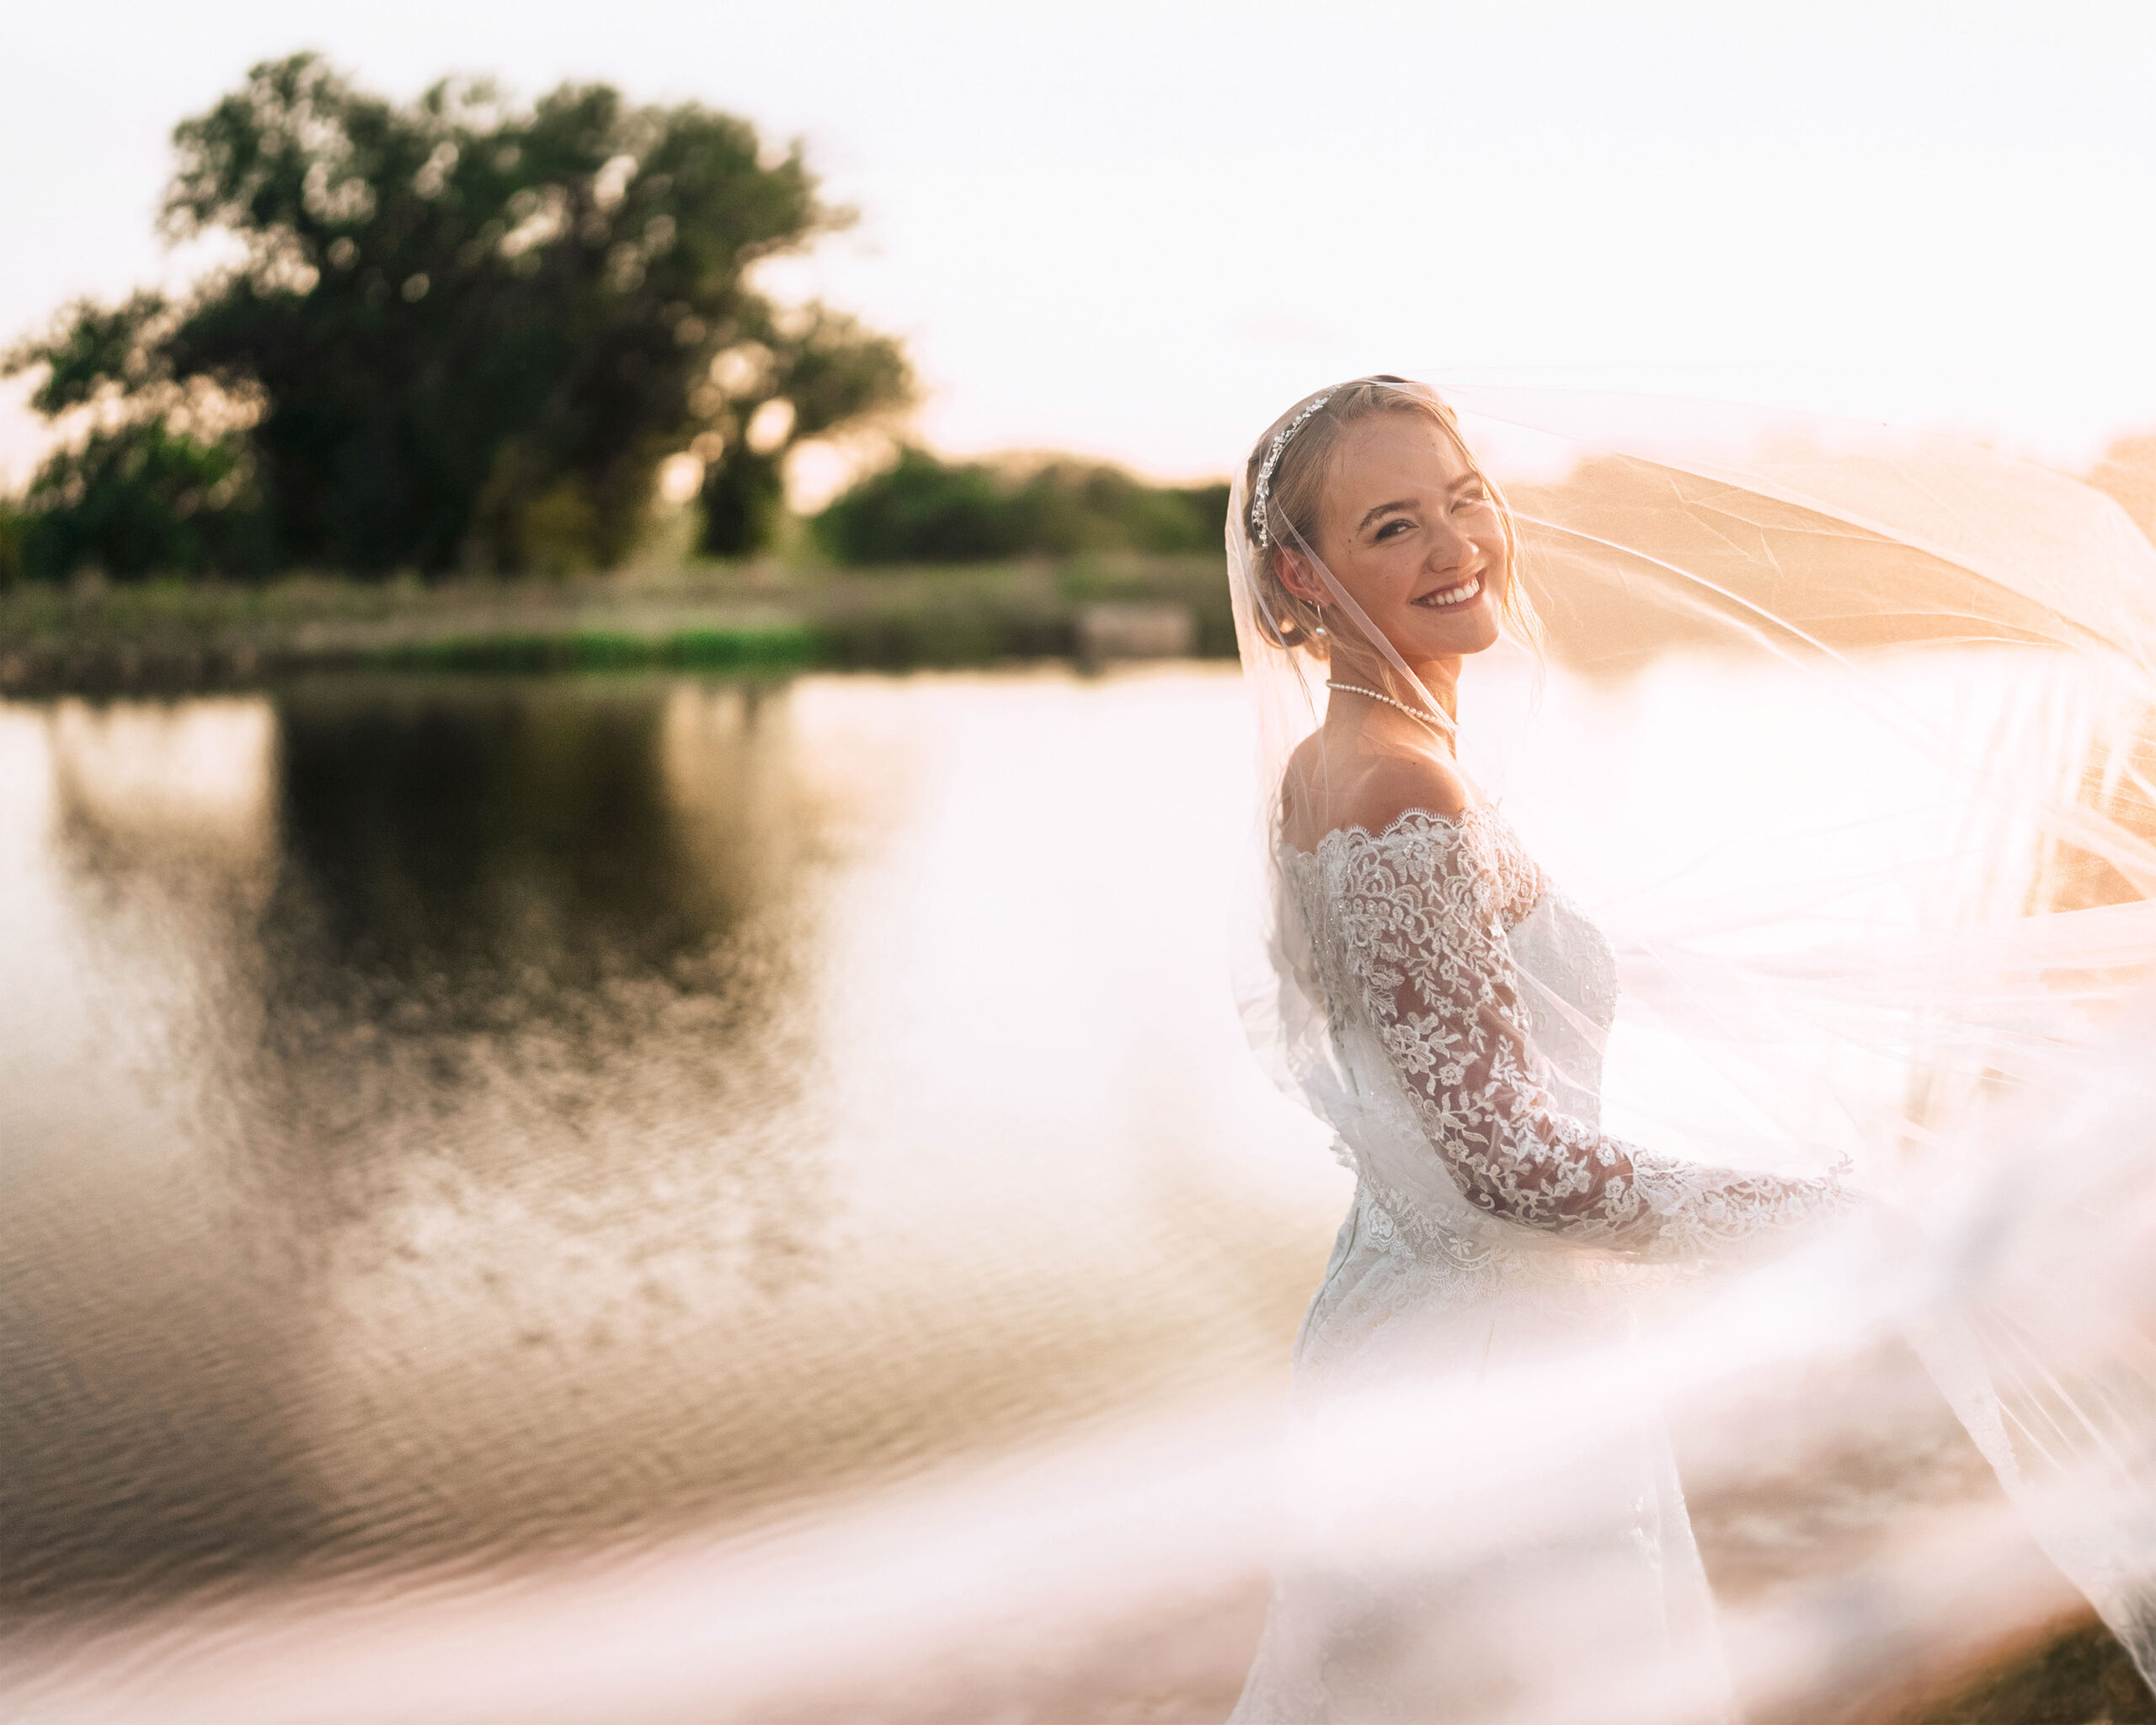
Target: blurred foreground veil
[(1875, 878)]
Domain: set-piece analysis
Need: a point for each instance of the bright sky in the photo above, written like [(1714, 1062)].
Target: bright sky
[(1142, 229)]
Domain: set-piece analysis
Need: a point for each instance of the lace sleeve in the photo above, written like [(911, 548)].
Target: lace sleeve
[(1423, 927)]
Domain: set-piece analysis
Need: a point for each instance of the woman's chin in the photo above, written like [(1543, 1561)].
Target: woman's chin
[(1421, 636), (1473, 630), (1483, 630)]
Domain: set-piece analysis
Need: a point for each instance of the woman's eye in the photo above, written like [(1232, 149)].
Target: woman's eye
[(1393, 529)]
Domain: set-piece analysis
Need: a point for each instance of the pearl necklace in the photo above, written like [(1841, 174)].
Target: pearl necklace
[(1419, 718)]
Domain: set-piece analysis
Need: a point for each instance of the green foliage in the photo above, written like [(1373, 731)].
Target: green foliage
[(831, 372), (181, 634), (2082, 1674), (142, 499), (597, 650), (742, 493), (924, 510), (94, 347), (464, 333), (11, 544)]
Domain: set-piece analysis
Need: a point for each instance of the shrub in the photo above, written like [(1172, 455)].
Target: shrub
[(142, 499), (925, 509)]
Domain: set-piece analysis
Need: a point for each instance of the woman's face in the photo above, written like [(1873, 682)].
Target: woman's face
[(1412, 535)]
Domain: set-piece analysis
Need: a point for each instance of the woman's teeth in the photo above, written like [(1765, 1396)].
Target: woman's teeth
[(1453, 595)]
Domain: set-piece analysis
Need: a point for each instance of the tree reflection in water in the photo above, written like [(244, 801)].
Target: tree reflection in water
[(458, 1019), (460, 1120)]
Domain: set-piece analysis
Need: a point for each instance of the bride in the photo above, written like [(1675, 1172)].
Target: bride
[(1444, 1005)]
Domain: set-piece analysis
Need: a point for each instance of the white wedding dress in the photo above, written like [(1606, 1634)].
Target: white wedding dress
[(1493, 1226), (1938, 960)]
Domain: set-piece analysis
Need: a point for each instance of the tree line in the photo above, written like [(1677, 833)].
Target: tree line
[(924, 510), (463, 334)]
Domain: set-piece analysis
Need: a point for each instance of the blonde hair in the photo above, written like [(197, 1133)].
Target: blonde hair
[(1296, 491)]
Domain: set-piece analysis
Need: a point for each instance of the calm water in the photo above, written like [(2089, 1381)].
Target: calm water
[(451, 1126), (445, 1120)]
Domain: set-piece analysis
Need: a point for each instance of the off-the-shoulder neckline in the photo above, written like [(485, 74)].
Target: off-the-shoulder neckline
[(1408, 821)]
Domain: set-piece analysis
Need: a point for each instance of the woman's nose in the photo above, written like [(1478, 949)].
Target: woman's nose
[(1448, 549)]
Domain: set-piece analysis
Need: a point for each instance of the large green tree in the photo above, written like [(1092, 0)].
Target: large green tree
[(459, 331)]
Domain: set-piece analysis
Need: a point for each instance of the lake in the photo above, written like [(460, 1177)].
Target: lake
[(453, 1128), (443, 1120)]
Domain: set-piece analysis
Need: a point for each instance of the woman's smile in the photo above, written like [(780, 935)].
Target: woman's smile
[(1458, 593)]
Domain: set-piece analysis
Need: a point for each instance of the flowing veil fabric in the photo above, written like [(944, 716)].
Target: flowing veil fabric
[(1866, 910)]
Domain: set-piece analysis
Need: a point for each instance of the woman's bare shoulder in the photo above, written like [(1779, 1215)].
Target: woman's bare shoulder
[(1372, 793), (1391, 785)]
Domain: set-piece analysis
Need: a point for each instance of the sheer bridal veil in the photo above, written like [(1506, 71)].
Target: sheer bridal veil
[(1846, 739)]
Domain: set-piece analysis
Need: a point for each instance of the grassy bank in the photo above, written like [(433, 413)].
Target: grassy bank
[(171, 636)]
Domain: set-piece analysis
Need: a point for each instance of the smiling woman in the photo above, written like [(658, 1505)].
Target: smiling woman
[(1403, 435), (1467, 1002), (1491, 1524), (1367, 501)]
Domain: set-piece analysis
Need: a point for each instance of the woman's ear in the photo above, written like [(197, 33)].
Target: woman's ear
[(1298, 577)]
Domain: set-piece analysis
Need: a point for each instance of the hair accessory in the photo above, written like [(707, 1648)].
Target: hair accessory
[(1272, 461)]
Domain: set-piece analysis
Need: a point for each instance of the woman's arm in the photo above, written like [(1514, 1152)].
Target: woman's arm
[(1427, 949)]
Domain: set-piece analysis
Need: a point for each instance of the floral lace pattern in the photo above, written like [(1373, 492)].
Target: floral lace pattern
[(1409, 928)]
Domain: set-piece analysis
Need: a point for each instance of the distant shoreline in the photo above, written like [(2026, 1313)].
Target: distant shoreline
[(175, 638)]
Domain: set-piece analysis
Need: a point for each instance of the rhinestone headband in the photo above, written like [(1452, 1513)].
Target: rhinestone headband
[(1272, 461)]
